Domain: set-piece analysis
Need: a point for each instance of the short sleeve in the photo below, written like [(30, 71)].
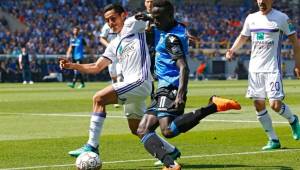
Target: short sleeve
[(246, 28), (132, 26), (174, 47), (104, 31), (288, 27)]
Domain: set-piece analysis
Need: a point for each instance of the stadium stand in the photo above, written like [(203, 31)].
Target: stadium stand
[(45, 28)]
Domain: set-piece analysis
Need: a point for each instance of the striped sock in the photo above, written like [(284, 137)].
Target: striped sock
[(286, 113), (96, 124), (266, 122)]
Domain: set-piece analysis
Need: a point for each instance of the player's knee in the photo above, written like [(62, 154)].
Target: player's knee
[(97, 99), (134, 132), (167, 133), (141, 131), (259, 105), (275, 106)]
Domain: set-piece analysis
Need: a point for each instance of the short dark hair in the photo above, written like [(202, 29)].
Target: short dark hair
[(115, 6), (77, 27), (23, 45), (167, 5)]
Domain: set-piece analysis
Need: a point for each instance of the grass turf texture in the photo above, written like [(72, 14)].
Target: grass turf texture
[(40, 123)]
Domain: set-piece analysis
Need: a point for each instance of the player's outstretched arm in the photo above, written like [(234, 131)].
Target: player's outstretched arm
[(296, 47), (91, 68), (143, 16), (238, 43)]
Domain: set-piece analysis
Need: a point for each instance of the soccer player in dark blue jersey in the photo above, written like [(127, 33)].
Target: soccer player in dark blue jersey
[(75, 53), (172, 71)]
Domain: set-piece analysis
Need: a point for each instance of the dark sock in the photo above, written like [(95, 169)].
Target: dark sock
[(187, 121), (80, 77), (155, 147)]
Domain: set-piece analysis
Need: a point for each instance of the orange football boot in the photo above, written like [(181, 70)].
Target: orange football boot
[(224, 104), (175, 167)]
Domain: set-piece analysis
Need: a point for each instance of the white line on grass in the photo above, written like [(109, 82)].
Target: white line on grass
[(143, 160), (123, 117)]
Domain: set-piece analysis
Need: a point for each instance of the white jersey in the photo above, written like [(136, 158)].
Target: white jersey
[(107, 33), (266, 33), (130, 49)]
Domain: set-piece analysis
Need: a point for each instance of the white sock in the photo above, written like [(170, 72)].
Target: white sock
[(168, 147), (266, 122), (96, 124), (286, 113)]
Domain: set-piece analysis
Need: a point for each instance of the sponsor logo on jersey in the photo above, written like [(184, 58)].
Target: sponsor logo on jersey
[(126, 51), (260, 36)]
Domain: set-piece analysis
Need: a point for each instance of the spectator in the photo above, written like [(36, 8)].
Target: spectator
[(24, 65)]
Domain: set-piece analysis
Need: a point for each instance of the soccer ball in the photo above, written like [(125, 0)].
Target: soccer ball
[(88, 161)]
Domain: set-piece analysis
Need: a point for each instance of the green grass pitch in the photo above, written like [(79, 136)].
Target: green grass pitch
[(40, 123)]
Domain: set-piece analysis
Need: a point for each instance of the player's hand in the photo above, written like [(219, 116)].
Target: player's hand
[(229, 55), (64, 63), (142, 16), (297, 72), (179, 103)]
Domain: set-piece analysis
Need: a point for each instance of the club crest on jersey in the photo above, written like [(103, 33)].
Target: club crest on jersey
[(172, 39), (260, 36)]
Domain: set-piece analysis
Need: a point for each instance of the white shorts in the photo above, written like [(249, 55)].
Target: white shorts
[(265, 85), (133, 95), (135, 110), (114, 69)]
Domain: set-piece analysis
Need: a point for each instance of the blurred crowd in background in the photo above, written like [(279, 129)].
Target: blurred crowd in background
[(48, 27)]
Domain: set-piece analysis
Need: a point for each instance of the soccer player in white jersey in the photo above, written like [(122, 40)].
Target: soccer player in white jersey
[(266, 28), (114, 68), (130, 48)]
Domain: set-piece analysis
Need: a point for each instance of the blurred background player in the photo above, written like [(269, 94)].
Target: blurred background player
[(265, 28), (172, 71), (150, 36), (114, 69), (75, 53), (24, 64), (129, 45)]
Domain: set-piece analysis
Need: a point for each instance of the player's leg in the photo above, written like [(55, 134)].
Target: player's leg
[(151, 141), (24, 76), (266, 122), (257, 92), (75, 75), (102, 98), (79, 76), (30, 76), (173, 125), (283, 110), (177, 122), (134, 113), (276, 95)]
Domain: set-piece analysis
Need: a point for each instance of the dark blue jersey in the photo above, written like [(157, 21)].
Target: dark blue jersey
[(171, 46), (25, 60), (77, 44)]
